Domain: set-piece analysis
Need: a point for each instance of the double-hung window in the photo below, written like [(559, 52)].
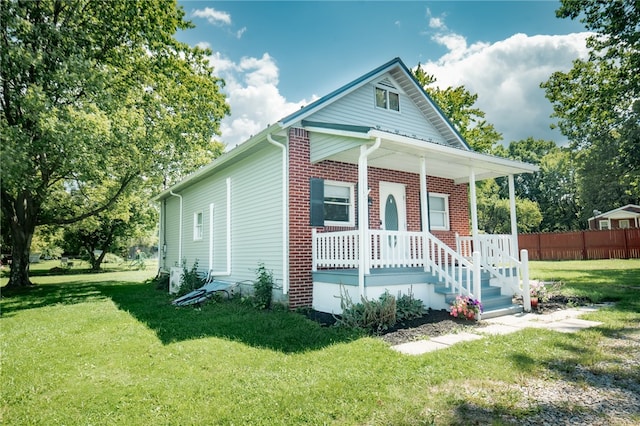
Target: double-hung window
[(439, 212), (387, 99), (197, 226), (332, 203)]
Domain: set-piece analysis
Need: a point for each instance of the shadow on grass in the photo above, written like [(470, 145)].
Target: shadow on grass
[(39, 296), (277, 330), (228, 319)]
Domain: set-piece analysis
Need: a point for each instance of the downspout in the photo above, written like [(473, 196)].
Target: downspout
[(179, 229), (363, 212), (226, 272), (285, 214)]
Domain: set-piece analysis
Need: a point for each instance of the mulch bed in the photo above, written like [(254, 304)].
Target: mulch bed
[(439, 322)]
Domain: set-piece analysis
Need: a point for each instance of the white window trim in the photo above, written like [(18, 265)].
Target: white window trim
[(625, 222), (352, 208), (387, 91), (447, 226), (198, 228), (606, 223)]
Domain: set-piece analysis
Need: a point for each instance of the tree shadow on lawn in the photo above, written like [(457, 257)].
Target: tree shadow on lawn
[(43, 295), (280, 330)]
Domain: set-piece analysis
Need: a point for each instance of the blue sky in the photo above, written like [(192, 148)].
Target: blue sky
[(277, 56)]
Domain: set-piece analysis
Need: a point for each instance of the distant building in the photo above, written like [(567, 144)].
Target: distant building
[(620, 218)]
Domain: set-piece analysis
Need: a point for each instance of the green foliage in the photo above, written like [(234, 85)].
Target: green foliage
[(99, 100), (494, 211), (370, 315), (262, 288), (597, 107), (408, 307), (190, 279)]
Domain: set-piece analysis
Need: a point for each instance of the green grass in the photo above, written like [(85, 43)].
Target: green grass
[(108, 349)]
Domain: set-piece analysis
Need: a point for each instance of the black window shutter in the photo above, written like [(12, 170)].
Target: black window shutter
[(317, 201)]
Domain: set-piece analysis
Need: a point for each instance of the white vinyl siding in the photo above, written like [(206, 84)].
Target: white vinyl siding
[(256, 218), (324, 146), (439, 212), (359, 109)]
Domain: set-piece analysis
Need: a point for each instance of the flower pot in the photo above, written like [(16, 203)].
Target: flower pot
[(534, 303)]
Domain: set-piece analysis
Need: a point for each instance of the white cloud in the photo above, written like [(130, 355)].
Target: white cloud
[(213, 16), (506, 76), (253, 95)]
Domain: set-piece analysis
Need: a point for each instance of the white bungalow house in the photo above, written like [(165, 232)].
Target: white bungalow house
[(366, 190)]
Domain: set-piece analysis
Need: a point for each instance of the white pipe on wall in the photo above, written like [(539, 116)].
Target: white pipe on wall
[(285, 215), (179, 228)]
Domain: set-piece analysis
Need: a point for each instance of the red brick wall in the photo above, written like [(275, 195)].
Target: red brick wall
[(301, 170)]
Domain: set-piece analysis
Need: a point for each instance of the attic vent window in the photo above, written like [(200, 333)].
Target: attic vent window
[(387, 99)]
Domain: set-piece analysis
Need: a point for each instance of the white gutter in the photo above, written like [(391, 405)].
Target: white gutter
[(226, 272), (180, 228), (363, 212), (285, 214)]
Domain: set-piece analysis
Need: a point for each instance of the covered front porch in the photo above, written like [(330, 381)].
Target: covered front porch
[(366, 262)]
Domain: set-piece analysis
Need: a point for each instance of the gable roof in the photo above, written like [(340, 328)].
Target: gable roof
[(403, 76), (628, 211), (453, 159)]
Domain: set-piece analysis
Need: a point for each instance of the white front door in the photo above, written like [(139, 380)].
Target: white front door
[(393, 210)]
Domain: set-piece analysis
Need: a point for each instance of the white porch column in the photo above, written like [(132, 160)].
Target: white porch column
[(474, 211), (363, 214), (512, 213), (424, 208)]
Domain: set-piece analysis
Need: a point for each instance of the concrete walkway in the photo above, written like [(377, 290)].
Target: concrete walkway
[(564, 321)]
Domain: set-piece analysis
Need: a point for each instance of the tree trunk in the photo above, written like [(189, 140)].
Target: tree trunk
[(22, 219), (21, 238)]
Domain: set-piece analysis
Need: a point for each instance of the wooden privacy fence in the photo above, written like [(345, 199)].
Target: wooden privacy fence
[(582, 245)]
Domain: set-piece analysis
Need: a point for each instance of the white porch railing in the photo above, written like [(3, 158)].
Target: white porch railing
[(499, 256), (399, 249)]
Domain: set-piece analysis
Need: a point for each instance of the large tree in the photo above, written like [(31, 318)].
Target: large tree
[(597, 103), (458, 104), (96, 96)]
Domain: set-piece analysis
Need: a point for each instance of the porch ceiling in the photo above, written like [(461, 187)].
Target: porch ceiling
[(403, 153)]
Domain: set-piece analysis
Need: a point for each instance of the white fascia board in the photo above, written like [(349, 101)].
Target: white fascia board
[(336, 132)]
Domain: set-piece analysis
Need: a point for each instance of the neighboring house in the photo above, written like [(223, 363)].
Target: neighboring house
[(292, 198), (620, 218)]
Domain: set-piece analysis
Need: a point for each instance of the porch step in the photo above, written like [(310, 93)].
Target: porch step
[(509, 310), (494, 304)]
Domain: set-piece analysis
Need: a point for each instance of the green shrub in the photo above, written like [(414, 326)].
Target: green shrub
[(371, 315), (408, 307), (263, 288), (190, 279), (160, 281)]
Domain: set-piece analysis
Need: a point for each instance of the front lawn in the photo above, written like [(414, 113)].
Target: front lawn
[(108, 349)]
